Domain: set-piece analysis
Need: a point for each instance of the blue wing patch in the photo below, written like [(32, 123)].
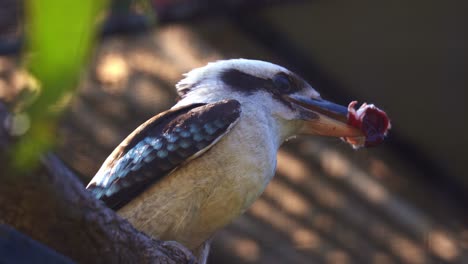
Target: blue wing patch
[(159, 146)]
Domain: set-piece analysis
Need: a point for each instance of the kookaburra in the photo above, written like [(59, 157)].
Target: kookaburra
[(189, 171)]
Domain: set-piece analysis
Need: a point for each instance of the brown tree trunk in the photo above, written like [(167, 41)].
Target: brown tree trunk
[(52, 206)]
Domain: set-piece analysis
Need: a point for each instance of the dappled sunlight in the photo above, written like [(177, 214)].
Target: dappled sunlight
[(247, 249), (147, 95), (275, 244), (368, 187), (379, 169), (439, 243), (337, 257), (181, 45), (334, 164), (294, 169), (361, 183), (300, 235), (103, 132), (315, 234), (380, 258), (113, 109), (420, 245), (147, 62), (279, 220), (291, 167), (372, 190), (305, 239), (443, 245), (399, 244), (112, 69), (288, 199), (407, 250), (14, 79)]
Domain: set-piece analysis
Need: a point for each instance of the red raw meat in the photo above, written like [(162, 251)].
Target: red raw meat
[(373, 122)]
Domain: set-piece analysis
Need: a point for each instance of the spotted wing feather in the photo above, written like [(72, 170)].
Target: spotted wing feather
[(159, 146)]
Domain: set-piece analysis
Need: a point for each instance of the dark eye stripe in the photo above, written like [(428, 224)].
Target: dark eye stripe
[(243, 82)]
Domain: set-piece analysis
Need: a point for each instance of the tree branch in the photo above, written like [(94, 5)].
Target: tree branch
[(52, 206)]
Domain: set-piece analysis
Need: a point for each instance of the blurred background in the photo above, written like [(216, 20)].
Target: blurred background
[(405, 201)]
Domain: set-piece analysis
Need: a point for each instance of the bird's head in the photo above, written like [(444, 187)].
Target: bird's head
[(269, 89)]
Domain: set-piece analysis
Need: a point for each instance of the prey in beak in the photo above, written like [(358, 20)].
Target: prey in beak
[(365, 127)]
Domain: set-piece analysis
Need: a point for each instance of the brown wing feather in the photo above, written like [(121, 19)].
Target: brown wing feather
[(159, 146)]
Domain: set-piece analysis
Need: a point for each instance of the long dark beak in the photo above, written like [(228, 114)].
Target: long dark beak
[(323, 117)]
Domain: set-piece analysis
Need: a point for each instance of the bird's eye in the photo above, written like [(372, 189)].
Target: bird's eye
[(282, 82)]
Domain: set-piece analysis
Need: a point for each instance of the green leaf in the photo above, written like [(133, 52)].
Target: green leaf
[(60, 37)]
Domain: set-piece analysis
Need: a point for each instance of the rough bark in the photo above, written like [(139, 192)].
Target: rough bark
[(52, 206)]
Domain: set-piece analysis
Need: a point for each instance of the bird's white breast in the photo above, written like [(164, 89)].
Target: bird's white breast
[(205, 194)]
